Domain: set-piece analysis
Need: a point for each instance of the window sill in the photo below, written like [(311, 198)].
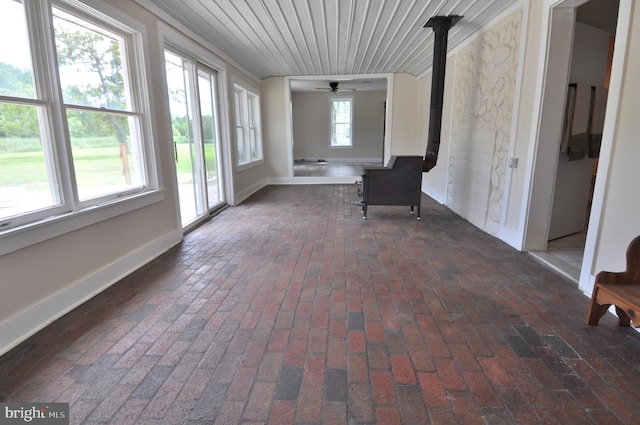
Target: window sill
[(40, 231), (248, 165), (341, 147)]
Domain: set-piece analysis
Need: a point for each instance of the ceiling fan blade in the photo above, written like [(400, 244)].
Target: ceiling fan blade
[(334, 88)]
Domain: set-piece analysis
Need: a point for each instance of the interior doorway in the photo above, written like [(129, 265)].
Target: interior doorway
[(315, 120), (594, 29)]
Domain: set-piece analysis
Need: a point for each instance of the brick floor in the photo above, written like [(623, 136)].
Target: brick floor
[(291, 309)]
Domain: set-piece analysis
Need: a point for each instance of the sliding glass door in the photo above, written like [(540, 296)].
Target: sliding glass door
[(210, 139), (196, 142)]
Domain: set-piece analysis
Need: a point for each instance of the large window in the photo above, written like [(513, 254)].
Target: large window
[(341, 122), (72, 114), (247, 119)]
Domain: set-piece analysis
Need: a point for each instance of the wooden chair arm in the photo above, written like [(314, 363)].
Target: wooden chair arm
[(615, 278)]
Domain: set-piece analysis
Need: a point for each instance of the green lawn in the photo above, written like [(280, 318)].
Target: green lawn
[(95, 166), (183, 166), (18, 169)]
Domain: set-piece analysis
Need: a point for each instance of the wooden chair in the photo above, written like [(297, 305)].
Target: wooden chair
[(621, 289)]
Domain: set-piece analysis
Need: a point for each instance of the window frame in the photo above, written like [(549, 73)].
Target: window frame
[(332, 123), (247, 119), (70, 213)]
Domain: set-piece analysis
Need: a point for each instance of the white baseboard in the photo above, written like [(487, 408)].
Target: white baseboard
[(18, 328), (358, 160), (314, 180), (244, 194)]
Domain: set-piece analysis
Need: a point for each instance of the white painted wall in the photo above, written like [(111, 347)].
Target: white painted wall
[(517, 197), (278, 160), (484, 96), (311, 127), (487, 120), (404, 112)]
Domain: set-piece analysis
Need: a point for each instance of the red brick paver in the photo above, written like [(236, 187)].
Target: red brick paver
[(291, 309)]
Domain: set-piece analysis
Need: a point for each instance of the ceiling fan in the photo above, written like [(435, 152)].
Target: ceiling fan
[(333, 87)]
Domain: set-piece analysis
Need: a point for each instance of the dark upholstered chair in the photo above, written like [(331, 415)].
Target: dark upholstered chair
[(399, 183)]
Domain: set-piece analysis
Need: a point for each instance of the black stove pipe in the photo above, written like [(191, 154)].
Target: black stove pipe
[(441, 26)]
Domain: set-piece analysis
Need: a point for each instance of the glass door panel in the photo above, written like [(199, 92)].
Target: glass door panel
[(180, 84), (210, 136)]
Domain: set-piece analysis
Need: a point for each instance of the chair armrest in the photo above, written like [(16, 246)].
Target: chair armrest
[(615, 278)]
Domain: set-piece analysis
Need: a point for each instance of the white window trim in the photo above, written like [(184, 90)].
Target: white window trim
[(331, 99), (40, 230), (247, 91)]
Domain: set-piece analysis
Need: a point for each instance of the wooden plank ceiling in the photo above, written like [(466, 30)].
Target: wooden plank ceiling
[(328, 37)]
